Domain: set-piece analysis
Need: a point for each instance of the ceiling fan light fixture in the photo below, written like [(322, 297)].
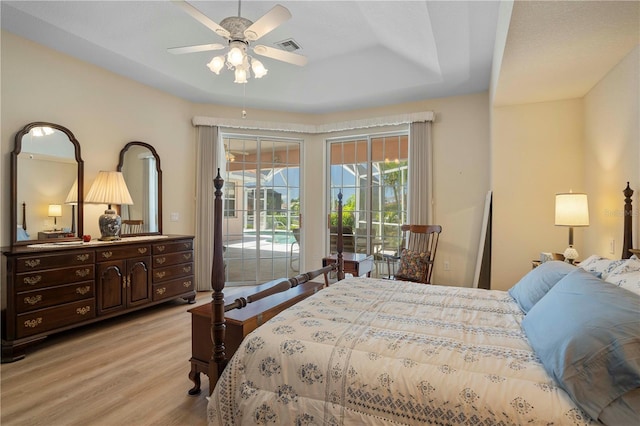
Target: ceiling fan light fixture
[(258, 68), (241, 75), (236, 53), (216, 64), (240, 33)]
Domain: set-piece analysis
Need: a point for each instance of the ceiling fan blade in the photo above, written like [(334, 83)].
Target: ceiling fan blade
[(280, 55), (202, 18), (193, 49), (268, 22)]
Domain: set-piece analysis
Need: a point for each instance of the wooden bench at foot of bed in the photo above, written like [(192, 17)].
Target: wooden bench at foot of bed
[(239, 323)]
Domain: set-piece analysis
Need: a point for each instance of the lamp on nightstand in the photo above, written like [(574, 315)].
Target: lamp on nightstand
[(572, 209), (55, 211), (109, 188)]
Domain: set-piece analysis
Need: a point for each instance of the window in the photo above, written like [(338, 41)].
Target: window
[(262, 207), (372, 174), (230, 199)]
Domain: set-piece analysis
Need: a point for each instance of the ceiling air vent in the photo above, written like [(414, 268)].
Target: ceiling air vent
[(290, 45)]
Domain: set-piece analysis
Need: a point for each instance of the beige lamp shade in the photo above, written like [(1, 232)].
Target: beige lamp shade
[(72, 197), (572, 209), (55, 210), (109, 188)]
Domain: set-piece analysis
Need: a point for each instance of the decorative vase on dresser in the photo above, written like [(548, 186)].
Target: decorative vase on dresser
[(50, 288)]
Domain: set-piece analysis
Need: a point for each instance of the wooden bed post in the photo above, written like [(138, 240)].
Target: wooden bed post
[(218, 360), (628, 217), (340, 242)]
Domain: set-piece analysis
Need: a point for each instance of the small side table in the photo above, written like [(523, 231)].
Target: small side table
[(46, 235), (357, 264)]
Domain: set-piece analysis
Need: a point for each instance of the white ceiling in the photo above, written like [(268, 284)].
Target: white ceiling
[(562, 49), (361, 53)]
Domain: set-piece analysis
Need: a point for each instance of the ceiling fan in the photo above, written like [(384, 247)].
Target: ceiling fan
[(240, 32)]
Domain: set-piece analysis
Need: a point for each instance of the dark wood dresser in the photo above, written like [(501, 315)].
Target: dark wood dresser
[(56, 287)]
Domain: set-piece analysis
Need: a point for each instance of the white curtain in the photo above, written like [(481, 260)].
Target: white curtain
[(210, 156), (420, 173)]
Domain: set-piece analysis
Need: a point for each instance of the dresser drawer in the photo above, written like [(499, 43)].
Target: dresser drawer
[(38, 262), (38, 299), (172, 272), (51, 318), (119, 253), (51, 277), (172, 247), (172, 259), (173, 288)]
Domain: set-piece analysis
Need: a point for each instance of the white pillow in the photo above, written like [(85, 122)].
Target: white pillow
[(600, 266), (626, 275)]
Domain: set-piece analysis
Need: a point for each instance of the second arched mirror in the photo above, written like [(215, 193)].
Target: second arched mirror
[(140, 165)]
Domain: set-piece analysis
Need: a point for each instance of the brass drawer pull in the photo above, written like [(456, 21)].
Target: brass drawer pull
[(32, 263), (186, 269), (160, 248), (82, 257), (187, 284), (142, 250), (187, 245), (107, 254), (82, 272), (187, 256), (161, 274), (83, 290), (33, 300), (32, 280), (160, 260), (161, 291), (33, 323), (83, 311)]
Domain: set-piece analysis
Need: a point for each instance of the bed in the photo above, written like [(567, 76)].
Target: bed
[(22, 234), (561, 347)]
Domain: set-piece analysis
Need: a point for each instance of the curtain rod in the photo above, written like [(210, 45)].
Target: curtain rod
[(391, 120)]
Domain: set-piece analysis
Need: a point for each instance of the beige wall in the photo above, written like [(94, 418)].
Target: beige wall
[(589, 145), (612, 147), (105, 111), (536, 153)]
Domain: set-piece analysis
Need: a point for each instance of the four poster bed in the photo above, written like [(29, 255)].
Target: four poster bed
[(561, 347)]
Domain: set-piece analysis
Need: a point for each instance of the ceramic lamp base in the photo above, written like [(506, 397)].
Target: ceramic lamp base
[(109, 224), (570, 254)]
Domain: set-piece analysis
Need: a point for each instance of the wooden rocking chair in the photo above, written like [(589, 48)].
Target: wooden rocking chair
[(415, 260)]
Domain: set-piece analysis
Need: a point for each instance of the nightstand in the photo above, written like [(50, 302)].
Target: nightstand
[(45, 235)]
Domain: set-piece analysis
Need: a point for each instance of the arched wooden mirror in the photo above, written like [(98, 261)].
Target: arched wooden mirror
[(46, 185), (140, 165)]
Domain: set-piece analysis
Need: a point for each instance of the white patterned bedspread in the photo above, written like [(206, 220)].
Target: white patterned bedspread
[(368, 351)]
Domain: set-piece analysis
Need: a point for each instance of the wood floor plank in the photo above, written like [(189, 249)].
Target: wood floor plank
[(130, 370)]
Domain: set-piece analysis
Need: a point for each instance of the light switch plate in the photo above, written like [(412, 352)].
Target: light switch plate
[(175, 217)]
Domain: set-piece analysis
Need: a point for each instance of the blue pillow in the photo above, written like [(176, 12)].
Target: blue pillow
[(22, 235), (538, 282), (586, 332)]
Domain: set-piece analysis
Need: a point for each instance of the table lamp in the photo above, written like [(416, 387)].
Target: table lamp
[(72, 200), (55, 211), (109, 188), (572, 209)]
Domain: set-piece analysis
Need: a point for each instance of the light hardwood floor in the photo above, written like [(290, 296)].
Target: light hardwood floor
[(131, 370)]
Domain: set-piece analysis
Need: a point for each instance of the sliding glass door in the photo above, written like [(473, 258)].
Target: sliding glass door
[(262, 208), (371, 172)]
